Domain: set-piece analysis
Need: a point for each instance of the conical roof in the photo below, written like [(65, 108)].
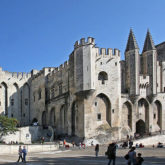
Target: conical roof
[(148, 44), (131, 43)]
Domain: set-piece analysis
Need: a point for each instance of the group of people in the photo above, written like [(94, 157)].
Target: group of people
[(131, 157), (22, 154)]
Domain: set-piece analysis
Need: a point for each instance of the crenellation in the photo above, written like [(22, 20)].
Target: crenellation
[(82, 42), (14, 74), (103, 51), (110, 52), (116, 52), (91, 40)]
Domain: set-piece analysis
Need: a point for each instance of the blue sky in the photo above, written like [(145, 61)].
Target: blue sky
[(41, 33)]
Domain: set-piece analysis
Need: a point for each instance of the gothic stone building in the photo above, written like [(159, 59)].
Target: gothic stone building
[(93, 93)]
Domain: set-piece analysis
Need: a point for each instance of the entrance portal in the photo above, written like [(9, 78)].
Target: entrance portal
[(140, 127)]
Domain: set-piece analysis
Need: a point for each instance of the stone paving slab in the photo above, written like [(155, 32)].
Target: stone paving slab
[(84, 157)]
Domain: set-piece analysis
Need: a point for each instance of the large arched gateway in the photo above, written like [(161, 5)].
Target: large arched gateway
[(102, 108), (157, 113), (127, 115), (140, 127), (73, 117), (143, 115)]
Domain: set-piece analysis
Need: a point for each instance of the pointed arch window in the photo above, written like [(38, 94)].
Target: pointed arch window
[(103, 76)]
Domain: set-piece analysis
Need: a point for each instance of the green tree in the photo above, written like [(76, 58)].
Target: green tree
[(7, 125)]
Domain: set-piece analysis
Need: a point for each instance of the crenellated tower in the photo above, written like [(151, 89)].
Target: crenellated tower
[(149, 58), (132, 65), (84, 64)]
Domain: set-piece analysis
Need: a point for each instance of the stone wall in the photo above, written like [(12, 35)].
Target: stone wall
[(25, 135), (13, 149)]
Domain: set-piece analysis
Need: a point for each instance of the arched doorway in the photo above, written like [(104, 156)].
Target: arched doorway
[(73, 118), (157, 116), (14, 102), (4, 103), (143, 113), (52, 117), (26, 104), (140, 127), (44, 118), (63, 119), (126, 115), (102, 108)]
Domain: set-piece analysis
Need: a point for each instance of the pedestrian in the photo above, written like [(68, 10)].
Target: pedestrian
[(73, 143), (97, 150), (111, 153), (130, 144), (132, 156), (24, 151), (139, 159), (64, 142), (80, 145), (20, 154)]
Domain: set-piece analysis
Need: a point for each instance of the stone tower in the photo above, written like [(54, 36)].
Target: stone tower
[(149, 56), (132, 65), (84, 65)]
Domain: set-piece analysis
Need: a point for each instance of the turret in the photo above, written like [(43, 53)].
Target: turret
[(132, 65), (149, 58)]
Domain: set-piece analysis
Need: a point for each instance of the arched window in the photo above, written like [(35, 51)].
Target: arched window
[(103, 76)]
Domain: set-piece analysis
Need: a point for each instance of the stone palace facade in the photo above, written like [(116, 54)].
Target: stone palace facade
[(93, 93)]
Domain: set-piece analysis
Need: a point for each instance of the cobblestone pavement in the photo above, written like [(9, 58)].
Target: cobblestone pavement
[(84, 157)]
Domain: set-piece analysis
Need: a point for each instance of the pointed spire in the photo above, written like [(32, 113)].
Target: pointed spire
[(148, 44), (131, 43)]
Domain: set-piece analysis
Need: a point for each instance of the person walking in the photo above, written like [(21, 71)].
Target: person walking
[(24, 151), (111, 153), (139, 159), (97, 150), (132, 156), (20, 154)]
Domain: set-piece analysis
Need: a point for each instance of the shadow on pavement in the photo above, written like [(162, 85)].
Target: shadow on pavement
[(84, 160)]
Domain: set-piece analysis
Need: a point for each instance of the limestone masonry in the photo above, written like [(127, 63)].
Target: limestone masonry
[(94, 93)]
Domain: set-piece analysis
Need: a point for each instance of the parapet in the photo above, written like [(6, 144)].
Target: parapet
[(82, 42), (109, 52)]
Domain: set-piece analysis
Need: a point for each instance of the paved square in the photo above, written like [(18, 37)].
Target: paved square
[(84, 157)]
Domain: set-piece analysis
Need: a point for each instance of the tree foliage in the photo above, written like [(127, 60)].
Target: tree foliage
[(7, 125)]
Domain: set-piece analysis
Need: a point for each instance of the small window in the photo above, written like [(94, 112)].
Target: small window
[(26, 101), (115, 63), (99, 116), (101, 63), (49, 69), (0, 103), (154, 115), (24, 115), (12, 102), (113, 110), (95, 103), (11, 115)]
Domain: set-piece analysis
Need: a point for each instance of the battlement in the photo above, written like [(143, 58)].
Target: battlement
[(109, 52), (82, 42), (17, 75), (58, 69)]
